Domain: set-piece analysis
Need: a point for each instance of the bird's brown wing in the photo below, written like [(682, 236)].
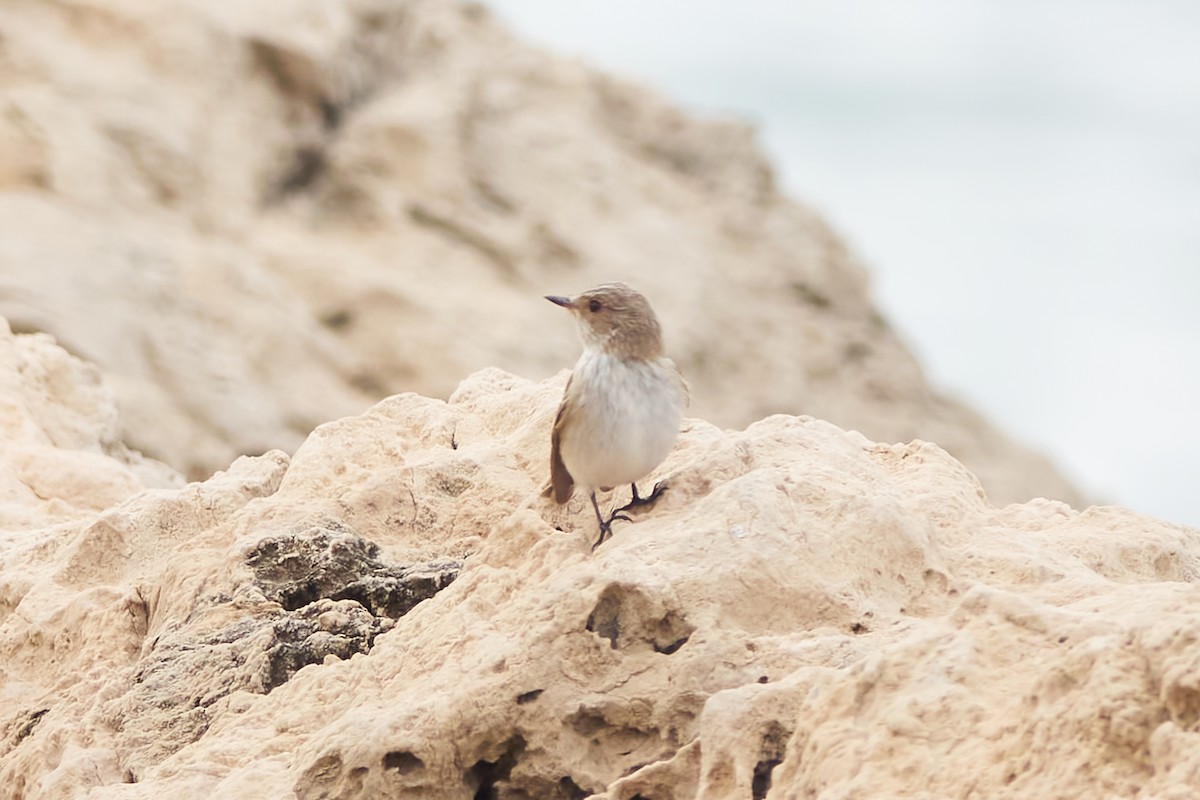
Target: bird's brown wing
[(680, 382), (561, 482)]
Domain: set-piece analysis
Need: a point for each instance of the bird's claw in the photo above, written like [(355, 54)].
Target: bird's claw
[(618, 514), (606, 527), (657, 492), (600, 541)]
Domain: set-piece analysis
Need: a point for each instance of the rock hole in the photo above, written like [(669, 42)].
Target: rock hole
[(671, 647), (331, 114), (571, 790), (294, 598), (771, 750), (324, 772), (402, 761), (761, 782), (528, 697), (26, 726), (631, 619), (392, 597), (670, 633), (586, 723), (1183, 704), (338, 320), (858, 628), (605, 618), (308, 165), (486, 775)]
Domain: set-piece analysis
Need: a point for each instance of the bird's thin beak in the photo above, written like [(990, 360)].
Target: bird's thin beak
[(565, 302)]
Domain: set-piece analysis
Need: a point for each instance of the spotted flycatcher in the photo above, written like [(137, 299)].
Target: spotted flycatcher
[(621, 410)]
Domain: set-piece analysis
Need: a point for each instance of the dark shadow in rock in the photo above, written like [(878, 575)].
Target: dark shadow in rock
[(21, 727), (570, 790), (301, 639), (403, 762), (329, 561), (631, 619), (327, 594), (774, 744), (486, 776)]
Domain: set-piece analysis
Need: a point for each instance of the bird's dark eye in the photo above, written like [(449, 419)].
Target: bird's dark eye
[(593, 306)]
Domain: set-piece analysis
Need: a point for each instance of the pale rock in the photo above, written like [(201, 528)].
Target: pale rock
[(396, 612), (61, 457), (256, 218)]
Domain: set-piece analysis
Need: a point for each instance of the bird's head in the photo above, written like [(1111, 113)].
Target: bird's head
[(616, 319)]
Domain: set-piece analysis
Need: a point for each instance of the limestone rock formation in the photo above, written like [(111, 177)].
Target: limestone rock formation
[(396, 612), (256, 218), (61, 457)]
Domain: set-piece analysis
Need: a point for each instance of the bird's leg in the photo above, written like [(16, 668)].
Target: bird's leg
[(606, 524), (659, 488)]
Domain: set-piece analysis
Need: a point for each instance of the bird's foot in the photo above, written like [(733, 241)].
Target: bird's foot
[(657, 492), (606, 527), (618, 514), (605, 530)]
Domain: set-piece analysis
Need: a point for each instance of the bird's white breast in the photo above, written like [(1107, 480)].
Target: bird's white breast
[(626, 419)]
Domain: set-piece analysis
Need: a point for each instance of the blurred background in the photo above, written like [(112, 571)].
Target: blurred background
[(1022, 180)]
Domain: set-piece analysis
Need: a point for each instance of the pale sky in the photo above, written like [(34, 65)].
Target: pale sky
[(1023, 180)]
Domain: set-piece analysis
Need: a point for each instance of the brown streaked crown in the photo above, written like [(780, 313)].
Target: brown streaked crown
[(617, 319)]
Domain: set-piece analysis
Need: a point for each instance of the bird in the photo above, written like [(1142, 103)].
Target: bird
[(622, 406)]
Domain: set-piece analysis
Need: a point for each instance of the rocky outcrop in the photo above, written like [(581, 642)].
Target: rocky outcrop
[(256, 220), (396, 612), (61, 456)]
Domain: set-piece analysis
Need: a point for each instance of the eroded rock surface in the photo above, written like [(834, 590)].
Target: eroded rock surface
[(330, 562), (315, 595), (804, 613)]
